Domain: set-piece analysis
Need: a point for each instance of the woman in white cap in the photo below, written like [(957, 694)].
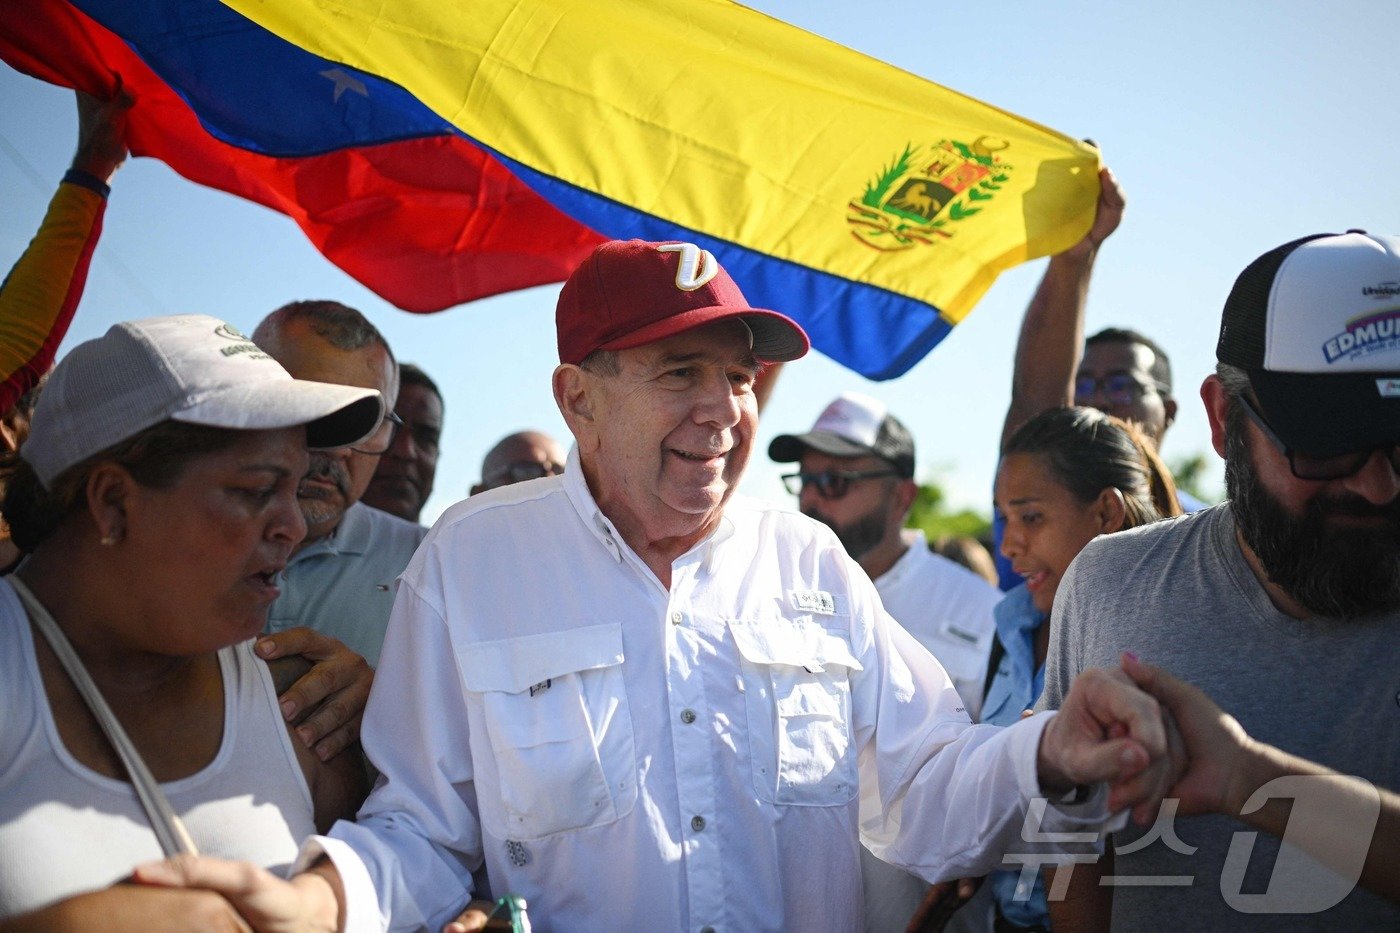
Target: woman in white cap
[(156, 499)]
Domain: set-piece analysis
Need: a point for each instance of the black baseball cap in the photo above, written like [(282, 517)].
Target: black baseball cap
[(1316, 325)]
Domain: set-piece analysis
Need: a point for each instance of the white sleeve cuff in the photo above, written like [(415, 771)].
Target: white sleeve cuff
[(1091, 814), (361, 902)]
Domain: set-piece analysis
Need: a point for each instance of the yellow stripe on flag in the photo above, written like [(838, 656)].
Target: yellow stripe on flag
[(733, 124)]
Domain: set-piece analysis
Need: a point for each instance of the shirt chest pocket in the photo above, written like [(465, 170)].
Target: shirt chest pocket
[(554, 707), (797, 696)]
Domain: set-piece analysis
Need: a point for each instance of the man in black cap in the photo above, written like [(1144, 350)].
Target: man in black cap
[(1283, 603)]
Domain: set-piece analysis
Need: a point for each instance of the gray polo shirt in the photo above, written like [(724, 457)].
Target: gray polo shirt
[(343, 585)]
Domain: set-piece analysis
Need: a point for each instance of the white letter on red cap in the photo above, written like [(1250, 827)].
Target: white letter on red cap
[(697, 266)]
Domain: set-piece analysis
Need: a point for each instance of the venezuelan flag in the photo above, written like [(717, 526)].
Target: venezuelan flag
[(873, 206), (391, 194)]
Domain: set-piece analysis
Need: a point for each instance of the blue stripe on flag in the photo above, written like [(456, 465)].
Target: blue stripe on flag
[(874, 331), (253, 89)]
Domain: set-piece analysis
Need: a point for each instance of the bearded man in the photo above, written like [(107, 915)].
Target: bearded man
[(1282, 603), (856, 476)]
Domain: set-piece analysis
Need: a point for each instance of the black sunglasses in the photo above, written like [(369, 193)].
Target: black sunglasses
[(1317, 468), (830, 484)]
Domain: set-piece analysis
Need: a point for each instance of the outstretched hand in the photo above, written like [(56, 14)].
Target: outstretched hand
[(1108, 213)]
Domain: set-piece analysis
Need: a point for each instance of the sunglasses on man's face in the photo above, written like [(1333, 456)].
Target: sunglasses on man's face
[(1319, 468), (1118, 388), (522, 470), (830, 484)]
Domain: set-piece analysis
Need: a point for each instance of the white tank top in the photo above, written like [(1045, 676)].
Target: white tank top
[(65, 829)]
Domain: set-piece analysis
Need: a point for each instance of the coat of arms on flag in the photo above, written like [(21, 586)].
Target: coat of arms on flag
[(923, 193)]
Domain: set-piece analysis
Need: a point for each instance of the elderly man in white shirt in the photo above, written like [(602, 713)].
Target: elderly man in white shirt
[(646, 704)]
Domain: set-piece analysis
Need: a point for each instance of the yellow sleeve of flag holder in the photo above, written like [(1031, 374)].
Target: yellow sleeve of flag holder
[(722, 121), (40, 294)]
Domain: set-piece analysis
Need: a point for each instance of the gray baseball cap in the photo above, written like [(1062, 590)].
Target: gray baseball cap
[(188, 367), (853, 425)]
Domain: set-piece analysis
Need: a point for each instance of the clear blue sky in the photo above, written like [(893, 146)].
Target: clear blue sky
[(1233, 126)]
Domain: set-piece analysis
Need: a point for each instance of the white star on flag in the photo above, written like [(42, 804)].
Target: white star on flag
[(344, 81)]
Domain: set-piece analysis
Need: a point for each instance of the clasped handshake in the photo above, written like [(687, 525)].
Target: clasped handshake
[(1145, 734)]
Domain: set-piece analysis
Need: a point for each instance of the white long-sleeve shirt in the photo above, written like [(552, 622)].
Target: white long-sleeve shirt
[(627, 756), (948, 609)]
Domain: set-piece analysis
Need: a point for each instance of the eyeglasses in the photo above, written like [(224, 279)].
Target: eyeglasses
[(830, 484), (382, 438), (1318, 468), (521, 470), (1119, 388)]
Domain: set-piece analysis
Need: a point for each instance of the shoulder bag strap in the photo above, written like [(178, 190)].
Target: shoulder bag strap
[(173, 837)]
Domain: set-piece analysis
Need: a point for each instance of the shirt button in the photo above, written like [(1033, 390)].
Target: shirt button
[(687, 716), (697, 823), (676, 618)]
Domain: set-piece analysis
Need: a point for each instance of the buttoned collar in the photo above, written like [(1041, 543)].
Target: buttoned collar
[(602, 527), (1017, 618)]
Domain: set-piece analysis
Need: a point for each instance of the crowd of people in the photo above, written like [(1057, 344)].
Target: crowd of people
[(244, 687)]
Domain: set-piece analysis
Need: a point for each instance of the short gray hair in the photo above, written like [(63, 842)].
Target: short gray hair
[(339, 325), (602, 363)]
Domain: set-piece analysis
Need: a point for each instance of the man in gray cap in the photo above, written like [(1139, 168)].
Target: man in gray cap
[(641, 699), (1283, 603), (856, 476)]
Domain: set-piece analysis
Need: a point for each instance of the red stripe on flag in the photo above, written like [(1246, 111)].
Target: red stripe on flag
[(425, 223)]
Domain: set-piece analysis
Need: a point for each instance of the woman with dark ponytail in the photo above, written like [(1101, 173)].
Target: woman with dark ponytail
[(1066, 476)]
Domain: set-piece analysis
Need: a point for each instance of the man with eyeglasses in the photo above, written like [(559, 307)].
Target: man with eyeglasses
[(1282, 603), (519, 457), (856, 476), (403, 481), (1121, 372), (340, 580), (1128, 375)]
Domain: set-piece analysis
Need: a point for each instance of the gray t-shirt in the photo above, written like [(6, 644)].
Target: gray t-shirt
[(1180, 595)]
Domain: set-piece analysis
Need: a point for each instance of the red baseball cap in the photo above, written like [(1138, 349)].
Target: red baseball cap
[(631, 292)]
